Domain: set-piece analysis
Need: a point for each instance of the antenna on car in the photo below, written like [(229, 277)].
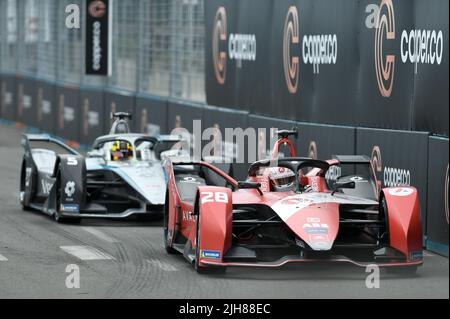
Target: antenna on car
[(121, 115), (120, 125), (286, 133), (283, 140)]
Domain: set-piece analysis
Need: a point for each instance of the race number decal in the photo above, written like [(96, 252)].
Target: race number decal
[(218, 197), (72, 161)]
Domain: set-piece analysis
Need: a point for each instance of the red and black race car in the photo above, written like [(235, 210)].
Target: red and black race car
[(290, 210)]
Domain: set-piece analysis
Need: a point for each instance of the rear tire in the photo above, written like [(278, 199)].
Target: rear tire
[(166, 240)]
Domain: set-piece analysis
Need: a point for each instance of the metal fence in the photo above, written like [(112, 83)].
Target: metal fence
[(158, 45)]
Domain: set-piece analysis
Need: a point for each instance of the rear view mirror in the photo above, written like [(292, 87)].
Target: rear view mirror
[(348, 185), (250, 185)]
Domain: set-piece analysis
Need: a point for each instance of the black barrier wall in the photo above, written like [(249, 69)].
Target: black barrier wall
[(26, 101), (68, 116), (438, 195), (400, 159), (324, 141), (181, 115), (365, 63), (93, 115), (8, 97), (431, 101), (46, 106), (151, 115)]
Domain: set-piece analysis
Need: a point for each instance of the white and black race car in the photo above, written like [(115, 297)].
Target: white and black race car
[(122, 176)]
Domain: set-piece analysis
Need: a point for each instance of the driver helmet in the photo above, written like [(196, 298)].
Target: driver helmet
[(282, 179), (121, 151)]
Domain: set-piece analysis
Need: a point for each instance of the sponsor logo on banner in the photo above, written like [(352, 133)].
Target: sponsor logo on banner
[(314, 49), (418, 46), (291, 37), (97, 9), (388, 176), (220, 37), (98, 38), (385, 63), (235, 46)]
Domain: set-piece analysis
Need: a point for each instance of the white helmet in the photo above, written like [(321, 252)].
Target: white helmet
[(282, 179)]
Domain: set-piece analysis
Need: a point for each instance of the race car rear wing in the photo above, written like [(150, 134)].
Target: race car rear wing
[(352, 159), (44, 141)]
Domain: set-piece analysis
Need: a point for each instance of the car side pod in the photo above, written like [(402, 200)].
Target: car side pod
[(214, 223), (404, 221)]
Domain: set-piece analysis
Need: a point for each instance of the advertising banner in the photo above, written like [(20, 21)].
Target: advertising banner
[(92, 115), (220, 73), (438, 196), (8, 97), (98, 37), (68, 116), (27, 111), (324, 141), (385, 65), (46, 106), (151, 116), (430, 64), (399, 158)]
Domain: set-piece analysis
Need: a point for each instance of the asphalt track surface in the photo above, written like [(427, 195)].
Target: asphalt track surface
[(129, 261)]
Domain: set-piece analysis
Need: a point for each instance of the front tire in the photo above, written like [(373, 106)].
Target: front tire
[(25, 191)]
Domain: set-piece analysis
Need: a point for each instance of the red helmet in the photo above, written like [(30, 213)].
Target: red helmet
[(282, 179)]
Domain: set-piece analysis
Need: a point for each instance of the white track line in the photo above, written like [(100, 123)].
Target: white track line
[(86, 253), (3, 258), (162, 265), (100, 234)]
